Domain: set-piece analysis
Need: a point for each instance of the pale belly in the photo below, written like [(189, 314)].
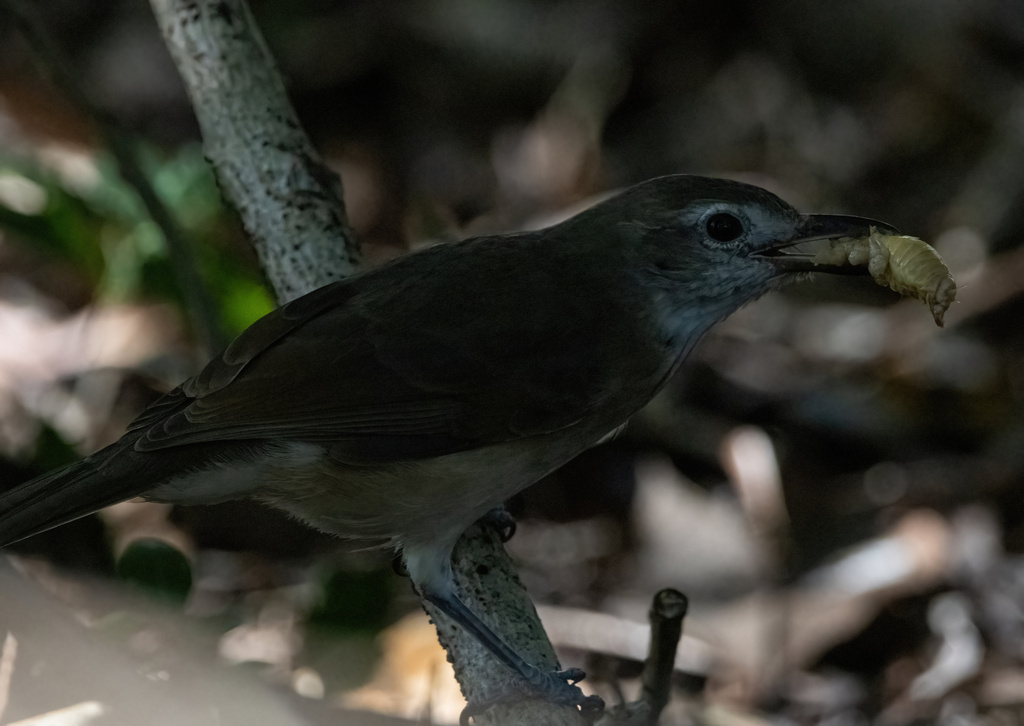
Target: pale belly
[(419, 507), (423, 502)]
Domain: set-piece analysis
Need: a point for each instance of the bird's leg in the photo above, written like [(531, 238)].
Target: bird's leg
[(430, 568), (554, 686)]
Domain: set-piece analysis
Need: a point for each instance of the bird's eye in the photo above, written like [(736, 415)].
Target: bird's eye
[(724, 227)]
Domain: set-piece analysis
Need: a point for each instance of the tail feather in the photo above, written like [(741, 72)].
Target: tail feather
[(65, 494)]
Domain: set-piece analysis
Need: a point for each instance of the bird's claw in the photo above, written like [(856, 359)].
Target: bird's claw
[(592, 706), (558, 687), (572, 676), (501, 521)]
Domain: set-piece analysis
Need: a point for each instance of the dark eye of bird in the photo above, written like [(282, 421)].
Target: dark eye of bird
[(724, 227)]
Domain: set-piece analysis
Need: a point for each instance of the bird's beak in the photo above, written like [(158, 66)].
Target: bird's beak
[(812, 234)]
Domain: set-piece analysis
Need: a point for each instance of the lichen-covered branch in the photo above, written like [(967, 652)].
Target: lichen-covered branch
[(486, 579), (291, 207), (290, 202)]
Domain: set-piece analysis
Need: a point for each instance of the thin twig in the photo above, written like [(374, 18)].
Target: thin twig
[(666, 617)]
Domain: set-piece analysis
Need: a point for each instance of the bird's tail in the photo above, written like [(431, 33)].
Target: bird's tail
[(63, 495)]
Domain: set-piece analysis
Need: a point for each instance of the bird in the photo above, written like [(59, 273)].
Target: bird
[(400, 405)]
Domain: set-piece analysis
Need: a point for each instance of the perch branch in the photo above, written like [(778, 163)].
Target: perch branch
[(291, 207)]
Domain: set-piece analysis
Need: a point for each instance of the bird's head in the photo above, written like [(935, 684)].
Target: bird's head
[(704, 246)]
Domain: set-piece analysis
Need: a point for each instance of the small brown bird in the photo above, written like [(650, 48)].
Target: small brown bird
[(398, 406)]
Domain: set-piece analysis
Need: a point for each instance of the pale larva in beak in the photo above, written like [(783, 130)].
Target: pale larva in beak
[(908, 265)]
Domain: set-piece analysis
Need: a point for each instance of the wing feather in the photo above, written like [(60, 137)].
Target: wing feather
[(364, 365)]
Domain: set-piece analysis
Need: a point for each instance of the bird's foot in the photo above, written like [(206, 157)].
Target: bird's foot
[(501, 521), (558, 687)]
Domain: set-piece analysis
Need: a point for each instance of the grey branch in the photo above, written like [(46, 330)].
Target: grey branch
[(291, 207), (486, 579), (290, 202)]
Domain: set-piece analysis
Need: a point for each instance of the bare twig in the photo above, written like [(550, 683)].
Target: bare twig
[(666, 616), (122, 147)]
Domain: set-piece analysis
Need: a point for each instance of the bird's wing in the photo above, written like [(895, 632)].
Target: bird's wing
[(367, 367)]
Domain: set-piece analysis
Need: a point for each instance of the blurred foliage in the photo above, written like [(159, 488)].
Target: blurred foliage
[(353, 600), (66, 226), (51, 450), (158, 569), (98, 227)]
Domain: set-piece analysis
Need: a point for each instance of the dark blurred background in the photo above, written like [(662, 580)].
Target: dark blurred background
[(834, 481)]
